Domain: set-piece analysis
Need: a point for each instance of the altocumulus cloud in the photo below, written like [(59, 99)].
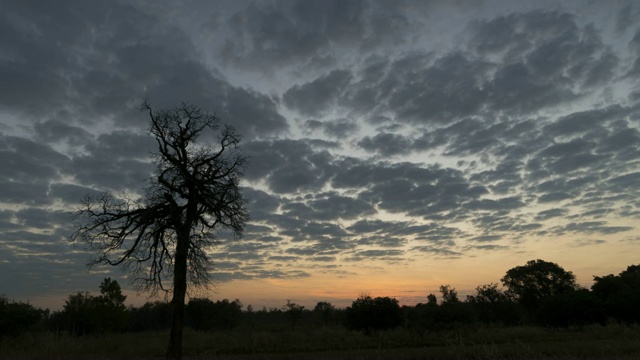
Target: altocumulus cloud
[(377, 133)]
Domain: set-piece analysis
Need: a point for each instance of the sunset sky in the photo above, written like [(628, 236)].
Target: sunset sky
[(395, 146)]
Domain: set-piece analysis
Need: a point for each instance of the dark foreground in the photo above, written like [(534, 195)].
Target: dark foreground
[(592, 342)]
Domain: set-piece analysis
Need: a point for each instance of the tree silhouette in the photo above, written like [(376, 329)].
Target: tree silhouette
[(294, 311), (165, 234), (449, 294), (381, 313), (111, 303), (536, 280), (492, 305), (325, 311), (17, 317), (620, 294)]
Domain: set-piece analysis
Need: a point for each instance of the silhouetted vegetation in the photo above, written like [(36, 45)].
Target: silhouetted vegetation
[(85, 314), (150, 316), (19, 317), (164, 235), (536, 281), (204, 314), (293, 311), (325, 313), (381, 313), (620, 295), (559, 303)]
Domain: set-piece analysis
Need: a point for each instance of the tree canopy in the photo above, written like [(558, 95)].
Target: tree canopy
[(536, 280)]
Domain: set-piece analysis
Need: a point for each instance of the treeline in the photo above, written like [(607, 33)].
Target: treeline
[(537, 293)]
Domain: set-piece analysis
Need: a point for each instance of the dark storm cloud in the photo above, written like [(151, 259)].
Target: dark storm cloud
[(553, 45), (108, 64), (330, 206), (288, 165), (386, 144), (55, 130), (411, 188), (447, 89), (70, 193), (27, 193), (26, 160), (336, 129), (634, 44), (627, 16), (538, 67), (317, 96), (386, 232), (260, 204), (309, 33), (41, 219)]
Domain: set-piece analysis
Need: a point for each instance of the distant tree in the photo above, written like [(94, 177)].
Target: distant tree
[(166, 233), (488, 294), (492, 305), (620, 294), (452, 311), (424, 316), (432, 300), (112, 294), (381, 313), (81, 314), (85, 314), (293, 311), (19, 317), (575, 308), (204, 314), (325, 312), (112, 308), (449, 294), (537, 280), (150, 316)]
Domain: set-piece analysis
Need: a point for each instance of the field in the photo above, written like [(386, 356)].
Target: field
[(604, 342)]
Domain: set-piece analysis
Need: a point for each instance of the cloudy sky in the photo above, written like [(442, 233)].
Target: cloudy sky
[(395, 145)]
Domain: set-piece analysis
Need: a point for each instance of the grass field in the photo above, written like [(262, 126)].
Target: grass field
[(604, 342)]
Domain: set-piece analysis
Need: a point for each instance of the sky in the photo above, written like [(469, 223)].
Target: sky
[(395, 146)]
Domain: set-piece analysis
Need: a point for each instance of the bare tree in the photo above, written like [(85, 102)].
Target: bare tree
[(166, 233)]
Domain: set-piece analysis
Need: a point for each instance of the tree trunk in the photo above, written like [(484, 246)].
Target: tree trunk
[(174, 350)]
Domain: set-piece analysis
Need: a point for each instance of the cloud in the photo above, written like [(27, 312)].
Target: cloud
[(375, 130), (591, 227), (386, 144), (550, 213), (267, 34), (437, 252), (319, 95)]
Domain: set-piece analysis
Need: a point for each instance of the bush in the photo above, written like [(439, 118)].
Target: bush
[(204, 314), (579, 307), (620, 294), (369, 314), (151, 316), (18, 317), (493, 306)]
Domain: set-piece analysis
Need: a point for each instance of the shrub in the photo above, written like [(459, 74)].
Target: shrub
[(18, 317), (381, 313)]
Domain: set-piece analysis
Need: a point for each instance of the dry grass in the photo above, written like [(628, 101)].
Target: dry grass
[(612, 341)]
